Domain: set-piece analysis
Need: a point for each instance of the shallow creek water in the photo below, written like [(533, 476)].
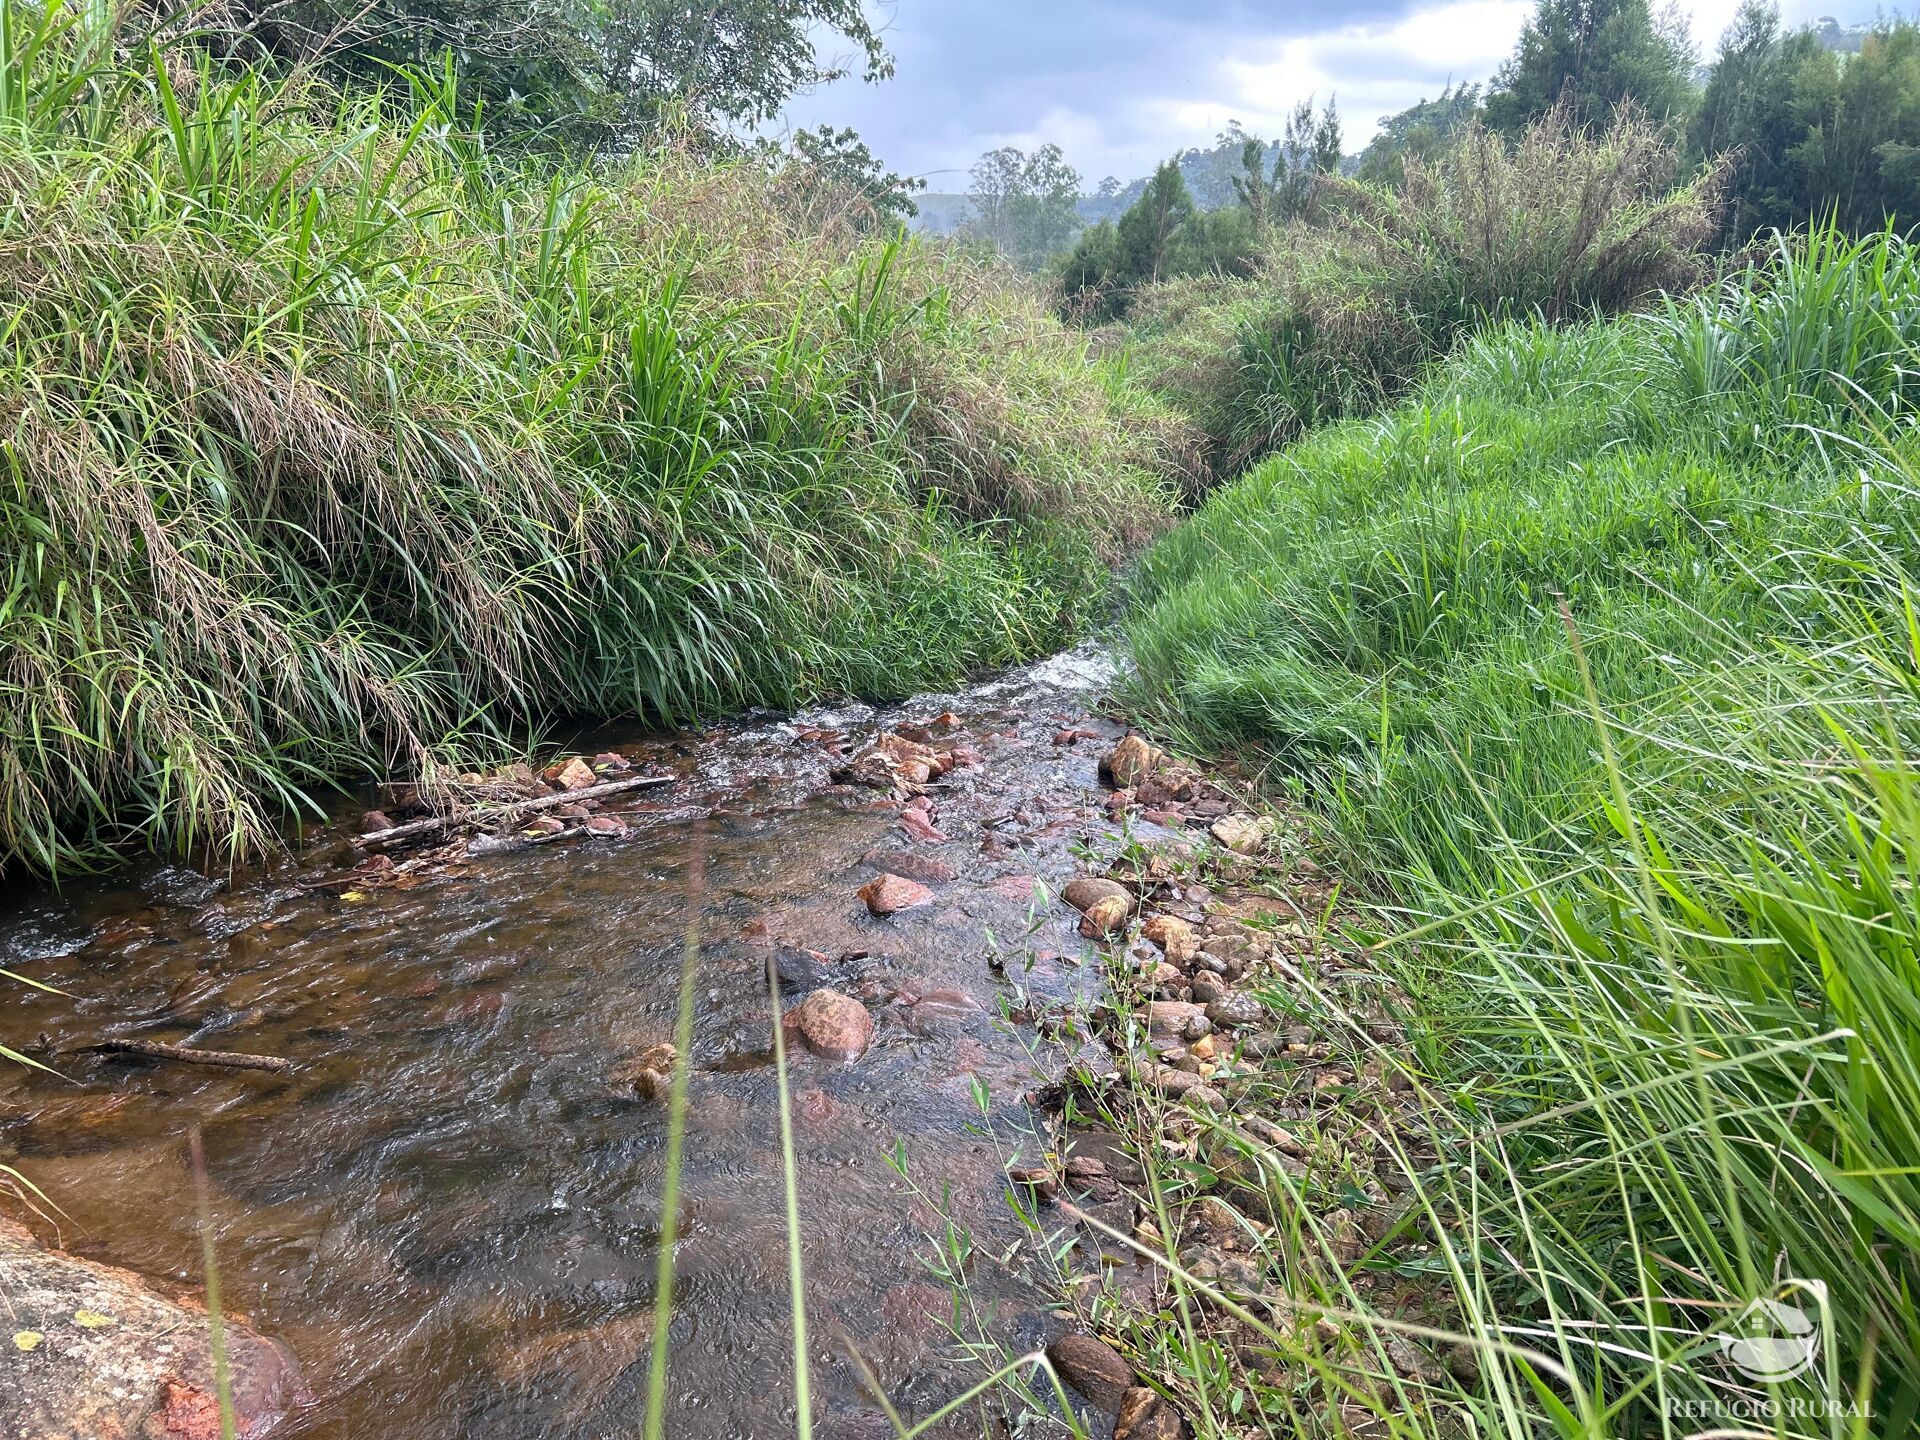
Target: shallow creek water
[(449, 1213)]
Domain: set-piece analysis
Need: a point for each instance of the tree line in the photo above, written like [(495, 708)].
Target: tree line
[(1819, 124)]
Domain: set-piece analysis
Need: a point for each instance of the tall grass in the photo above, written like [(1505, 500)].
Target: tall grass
[(331, 440), (1601, 657), (1348, 312)]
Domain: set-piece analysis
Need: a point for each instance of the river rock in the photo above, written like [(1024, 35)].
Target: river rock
[(1089, 890), (1235, 1009), (919, 827), (1094, 1368), (1105, 917), (924, 869), (831, 1025), (891, 894), (1168, 1019), (588, 1360), (94, 1351), (1241, 834), (1130, 762), (1174, 936), (1146, 1415), (649, 1074)]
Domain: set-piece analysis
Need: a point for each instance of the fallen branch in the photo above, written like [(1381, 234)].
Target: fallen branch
[(226, 1059), (487, 815)]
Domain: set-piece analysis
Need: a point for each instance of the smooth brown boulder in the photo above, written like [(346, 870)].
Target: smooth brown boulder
[(1105, 917), (94, 1351), (891, 894), (1089, 890), (831, 1025), (1094, 1368)]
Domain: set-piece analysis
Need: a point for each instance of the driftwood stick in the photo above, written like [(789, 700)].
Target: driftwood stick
[(490, 813), (227, 1059)]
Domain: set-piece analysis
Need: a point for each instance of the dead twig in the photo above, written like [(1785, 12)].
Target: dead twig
[(492, 814), (226, 1059)]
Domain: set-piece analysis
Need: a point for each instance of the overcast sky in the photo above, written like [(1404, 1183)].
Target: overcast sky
[(1122, 84)]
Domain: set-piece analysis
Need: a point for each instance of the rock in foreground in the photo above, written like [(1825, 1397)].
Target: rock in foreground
[(831, 1025), (89, 1351), (891, 894)]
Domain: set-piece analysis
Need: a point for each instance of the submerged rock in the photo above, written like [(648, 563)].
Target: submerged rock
[(94, 1351), (831, 1025), (924, 869)]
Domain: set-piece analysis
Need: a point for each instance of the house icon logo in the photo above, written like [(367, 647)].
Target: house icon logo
[(1772, 1340)]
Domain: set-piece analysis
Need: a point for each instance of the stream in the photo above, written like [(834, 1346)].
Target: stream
[(450, 1212)]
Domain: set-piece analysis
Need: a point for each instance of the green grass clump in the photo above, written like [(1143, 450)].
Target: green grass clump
[(331, 441), (1601, 657)]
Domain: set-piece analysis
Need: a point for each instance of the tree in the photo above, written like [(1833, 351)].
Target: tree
[(1418, 133), (842, 158), (1146, 233), (1859, 159), (595, 74), (1026, 205), (1594, 54), (1748, 112), (1310, 151)]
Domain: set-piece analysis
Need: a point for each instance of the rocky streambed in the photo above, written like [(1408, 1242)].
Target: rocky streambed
[(445, 1204)]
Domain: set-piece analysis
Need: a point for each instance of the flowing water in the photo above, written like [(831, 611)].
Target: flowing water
[(448, 1210)]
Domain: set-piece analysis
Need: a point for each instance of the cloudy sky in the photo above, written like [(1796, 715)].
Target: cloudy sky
[(1122, 84)]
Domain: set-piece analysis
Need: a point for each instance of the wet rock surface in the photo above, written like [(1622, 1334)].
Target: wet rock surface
[(90, 1352)]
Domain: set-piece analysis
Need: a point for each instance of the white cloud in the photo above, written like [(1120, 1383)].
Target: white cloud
[(1372, 70)]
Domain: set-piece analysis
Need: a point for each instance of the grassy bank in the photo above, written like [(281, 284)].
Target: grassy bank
[(333, 442), (1598, 657)]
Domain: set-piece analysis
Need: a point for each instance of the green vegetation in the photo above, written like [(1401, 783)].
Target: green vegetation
[(1819, 133), (1590, 57), (1598, 659), (601, 77), (1164, 235), (1349, 308), (334, 441)]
